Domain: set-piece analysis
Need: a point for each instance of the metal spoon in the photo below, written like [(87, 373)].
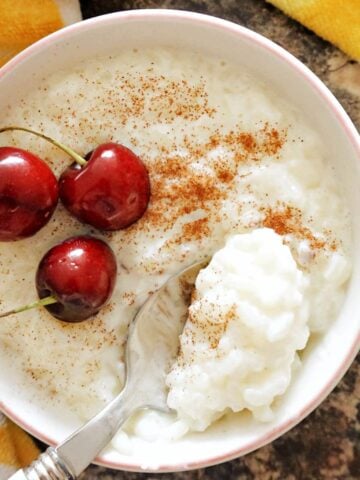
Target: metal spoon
[(151, 348)]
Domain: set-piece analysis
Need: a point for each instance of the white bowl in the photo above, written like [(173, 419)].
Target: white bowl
[(328, 359)]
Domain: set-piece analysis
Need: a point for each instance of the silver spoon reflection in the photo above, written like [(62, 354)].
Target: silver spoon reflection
[(152, 347)]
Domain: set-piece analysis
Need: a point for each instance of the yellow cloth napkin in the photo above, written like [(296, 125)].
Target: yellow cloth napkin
[(22, 22), (16, 448), (337, 21)]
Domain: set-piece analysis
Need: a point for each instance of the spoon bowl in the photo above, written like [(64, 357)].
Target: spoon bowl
[(152, 347), (154, 338)]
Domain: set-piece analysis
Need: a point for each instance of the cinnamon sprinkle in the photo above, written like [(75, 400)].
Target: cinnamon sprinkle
[(195, 230), (287, 219), (209, 328), (181, 185)]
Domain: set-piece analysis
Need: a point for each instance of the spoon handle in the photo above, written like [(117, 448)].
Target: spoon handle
[(71, 457), (48, 466)]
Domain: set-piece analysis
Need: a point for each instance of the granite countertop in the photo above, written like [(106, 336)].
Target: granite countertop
[(326, 445)]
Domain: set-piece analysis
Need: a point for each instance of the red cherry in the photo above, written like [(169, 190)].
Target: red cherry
[(110, 192), (80, 275), (28, 193)]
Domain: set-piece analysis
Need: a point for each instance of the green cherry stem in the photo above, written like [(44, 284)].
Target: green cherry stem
[(44, 301), (75, 156)]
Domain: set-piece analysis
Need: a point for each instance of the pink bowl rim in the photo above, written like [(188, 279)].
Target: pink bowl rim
[(345, 123)]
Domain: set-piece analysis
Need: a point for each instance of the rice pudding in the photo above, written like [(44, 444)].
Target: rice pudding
[(226, 155), (247, 320)]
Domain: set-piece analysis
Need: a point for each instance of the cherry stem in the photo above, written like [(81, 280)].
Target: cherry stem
[(75, 156), (44, 301)]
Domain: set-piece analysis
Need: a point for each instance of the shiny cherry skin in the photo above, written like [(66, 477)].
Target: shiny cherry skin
[(80, 273), (110, 192), (28, 193)]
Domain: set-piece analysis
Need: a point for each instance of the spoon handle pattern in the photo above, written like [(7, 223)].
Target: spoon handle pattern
[(48, 466)]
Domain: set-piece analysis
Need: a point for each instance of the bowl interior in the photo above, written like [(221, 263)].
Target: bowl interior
[(329, 356)]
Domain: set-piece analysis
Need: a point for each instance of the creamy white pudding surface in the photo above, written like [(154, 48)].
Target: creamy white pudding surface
[(227, 156)]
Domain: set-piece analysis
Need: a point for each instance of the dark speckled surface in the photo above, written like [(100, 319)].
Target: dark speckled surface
[(327, 444)]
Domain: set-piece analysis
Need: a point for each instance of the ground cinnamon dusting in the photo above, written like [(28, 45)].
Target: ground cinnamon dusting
[(203, 327), (286, 219), (179, 188), (195, 230)]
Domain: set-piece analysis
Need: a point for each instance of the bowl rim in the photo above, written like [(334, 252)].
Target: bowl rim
[(343, 119)]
